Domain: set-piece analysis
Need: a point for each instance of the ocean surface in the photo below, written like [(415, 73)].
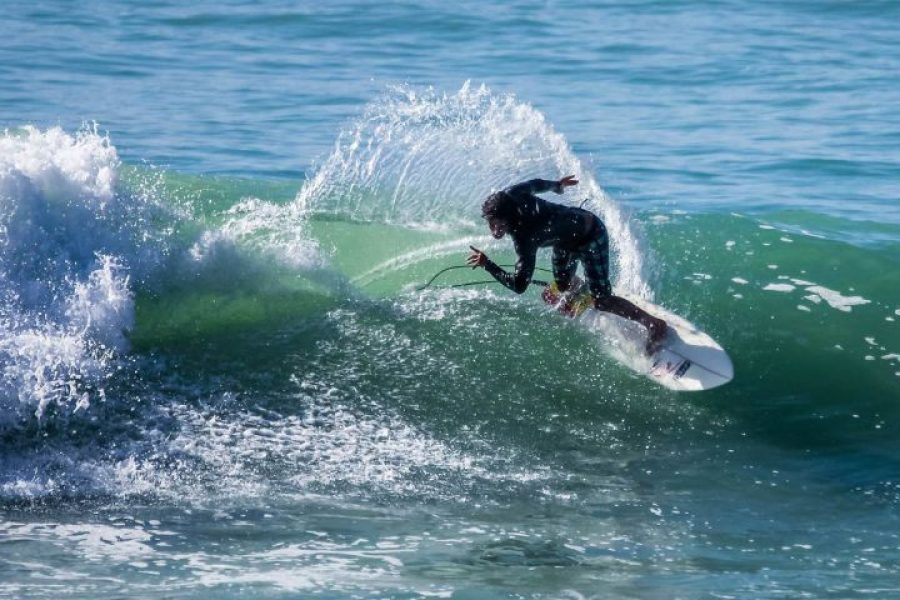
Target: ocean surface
[(218, 378)]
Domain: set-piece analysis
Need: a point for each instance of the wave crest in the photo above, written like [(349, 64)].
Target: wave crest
[(420, 158), (65, 255)]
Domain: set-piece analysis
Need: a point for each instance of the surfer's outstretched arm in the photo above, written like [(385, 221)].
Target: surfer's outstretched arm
[(539, 186), (518, 280)]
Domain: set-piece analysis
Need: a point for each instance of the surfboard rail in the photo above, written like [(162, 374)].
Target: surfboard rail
[(687, 359)]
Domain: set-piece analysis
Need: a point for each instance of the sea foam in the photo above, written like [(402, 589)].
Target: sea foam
[(66, 241), (77, 241)]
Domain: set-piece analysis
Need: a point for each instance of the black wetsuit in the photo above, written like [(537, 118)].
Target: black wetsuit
[(574, 233)]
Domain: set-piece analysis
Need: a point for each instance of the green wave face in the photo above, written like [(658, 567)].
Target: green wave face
[(803, 316)]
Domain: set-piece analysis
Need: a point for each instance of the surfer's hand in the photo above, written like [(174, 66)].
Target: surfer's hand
[(477, 258), (567, 181)]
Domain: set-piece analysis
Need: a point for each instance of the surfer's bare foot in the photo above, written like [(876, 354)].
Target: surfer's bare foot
[(656, 333)]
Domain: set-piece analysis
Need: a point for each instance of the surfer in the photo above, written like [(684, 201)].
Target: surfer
[(574, 234)]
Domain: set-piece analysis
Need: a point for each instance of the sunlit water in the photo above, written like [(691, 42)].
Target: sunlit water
[(219, 380)]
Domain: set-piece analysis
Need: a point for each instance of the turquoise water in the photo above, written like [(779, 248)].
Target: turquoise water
[(218, 378)]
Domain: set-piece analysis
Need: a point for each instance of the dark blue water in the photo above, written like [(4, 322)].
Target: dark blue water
[(216, 378), (764, 106)]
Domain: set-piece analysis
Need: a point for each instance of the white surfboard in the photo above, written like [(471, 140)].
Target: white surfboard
[(687, 360)]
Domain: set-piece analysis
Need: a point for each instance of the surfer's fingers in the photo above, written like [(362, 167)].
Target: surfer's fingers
[(477, 257)]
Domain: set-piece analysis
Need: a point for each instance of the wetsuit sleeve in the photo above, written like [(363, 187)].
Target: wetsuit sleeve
[(517, 281), (534, 186)]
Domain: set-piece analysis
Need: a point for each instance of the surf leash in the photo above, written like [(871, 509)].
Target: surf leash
[(470, 283)]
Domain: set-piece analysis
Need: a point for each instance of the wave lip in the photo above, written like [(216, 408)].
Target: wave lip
[(420, 158)]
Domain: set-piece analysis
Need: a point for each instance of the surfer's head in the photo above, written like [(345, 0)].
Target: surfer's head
[(498, 210)]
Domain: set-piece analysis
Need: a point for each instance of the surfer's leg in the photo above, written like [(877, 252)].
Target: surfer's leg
[(656, 328), (564, 266), (596, 270), (595, 258)]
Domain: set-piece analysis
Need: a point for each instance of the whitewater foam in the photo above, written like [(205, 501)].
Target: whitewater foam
[(64, 268), (816, 293), (77, 241), (837, 300)]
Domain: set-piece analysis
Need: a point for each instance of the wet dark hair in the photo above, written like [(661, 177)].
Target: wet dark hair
[(498, 205)]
